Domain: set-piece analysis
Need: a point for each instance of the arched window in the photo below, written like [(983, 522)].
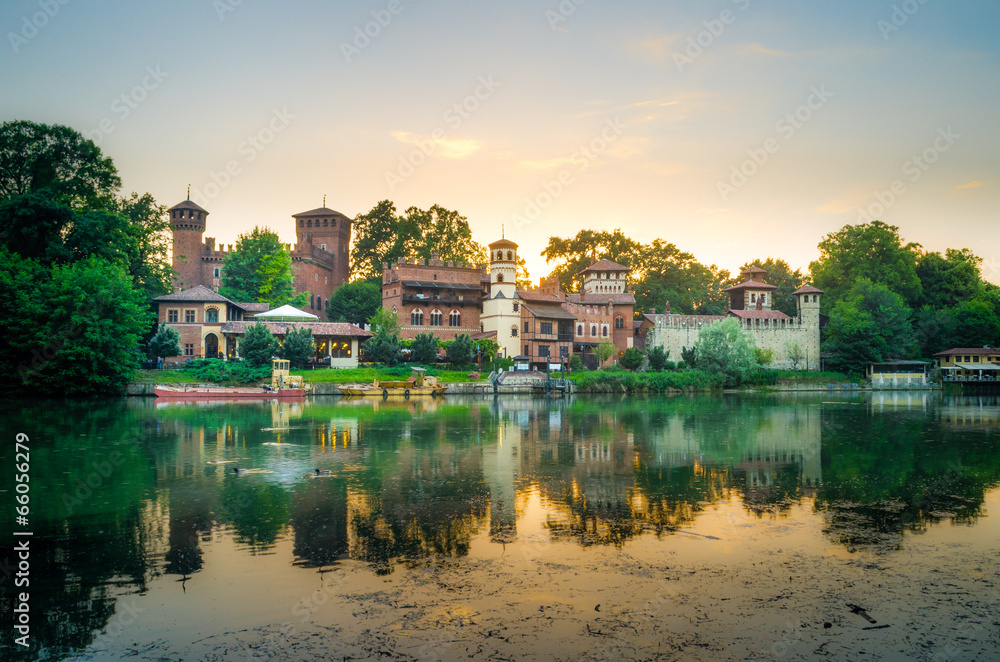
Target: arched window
[(604, 330), (417, 317), (455, 318), (312, 301), (510, 256), (499, 278), (212, 315), (593, 330), (579, 329), (619, 322), (513, 330), (302, 223), (309, 223), (436, 317), (319, 303), (326, 222)]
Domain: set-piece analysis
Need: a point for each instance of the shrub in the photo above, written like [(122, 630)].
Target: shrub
[(424, 348), (658, 358), (632, 359)]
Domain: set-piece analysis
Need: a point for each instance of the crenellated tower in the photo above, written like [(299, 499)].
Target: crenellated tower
[(187, 224)]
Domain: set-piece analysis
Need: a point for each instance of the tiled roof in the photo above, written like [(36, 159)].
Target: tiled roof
[(318, 328), (200, 294), (319, 211), (751, 285), (187, 204), (503, 243), (534, 295), (255, 306), (808, 289), (981, 351), (483, 335), (602, 298), (549, 312), (605, 265), (759, 314)]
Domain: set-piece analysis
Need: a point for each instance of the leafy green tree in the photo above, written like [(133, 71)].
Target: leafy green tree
[(446, 233), (424, 348), (632, 359), (658, 358), (787, 281), (385, 346), (689, 356), (298, 346), (794, 353), (873, 251), (976, 325), (575, 254), (56, 159), (668, 274), (576, 363), (459, 350), (259, 268), (605, 351), (934, 330), (870, 324), (164, 343), (258, 345), (385, 320), (949, 280), (354, 302), (148, 229), (764, 356), (724, 347)]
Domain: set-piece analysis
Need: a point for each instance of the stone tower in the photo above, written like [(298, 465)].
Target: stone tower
[(320, 258), (187, 223), (501, 309), (807, 305)]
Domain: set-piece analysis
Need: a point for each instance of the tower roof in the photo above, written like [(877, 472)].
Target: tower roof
[(503, 243), (319, 211), (187, 204), (808, 289), (605, 265), (751, 285)]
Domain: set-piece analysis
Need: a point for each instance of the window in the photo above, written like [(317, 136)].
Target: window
[(323, 246), (316, 277), (516, 307), (604, 330), (527, 350), (546, 328), (593, 330), (301, 223), (312, 301), (499, 278), (563, 351), (319, 303), (417, 318), (172, 316), (619, 322), (212, 315), (513, 331), (543, 350), (188, 349), (435, 276), (436, 318), (526, 327), (455, 318), (326, 222), (975, 359), (309, 223), (753, 297), (189, 317), (216, 272)]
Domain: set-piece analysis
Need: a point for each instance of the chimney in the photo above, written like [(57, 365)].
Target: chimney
[(666, 308), (652, 311)]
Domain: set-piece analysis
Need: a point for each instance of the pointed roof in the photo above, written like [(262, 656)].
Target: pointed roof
[(605, 265), (751, 285), (808, 289), (187, 204), (319, 211), (285, 313), (503, 243), (200, 294)]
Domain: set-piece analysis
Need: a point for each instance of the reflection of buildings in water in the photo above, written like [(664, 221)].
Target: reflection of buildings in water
[(970, 411), (335, 433), (501, 470), (880, 401)]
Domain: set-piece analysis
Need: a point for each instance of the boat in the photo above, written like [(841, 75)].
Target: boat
[(283, 386), (419, 383)]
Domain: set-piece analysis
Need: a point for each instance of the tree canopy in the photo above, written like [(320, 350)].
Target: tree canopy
[(259, 268), (870, 324), (726, 348), (354, 302)]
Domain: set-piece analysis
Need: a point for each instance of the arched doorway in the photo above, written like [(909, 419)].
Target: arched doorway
[(211, 346)]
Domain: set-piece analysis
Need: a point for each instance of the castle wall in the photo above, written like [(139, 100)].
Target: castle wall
[(405, 299)]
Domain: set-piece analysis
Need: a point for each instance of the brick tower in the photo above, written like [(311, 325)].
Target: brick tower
[(187, 222), (320, 258)]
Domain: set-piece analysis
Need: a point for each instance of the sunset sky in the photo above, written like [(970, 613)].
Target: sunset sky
[(735, 129)]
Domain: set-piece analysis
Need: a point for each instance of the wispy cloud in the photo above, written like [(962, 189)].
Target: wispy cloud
[(973, 184), (445, 147)]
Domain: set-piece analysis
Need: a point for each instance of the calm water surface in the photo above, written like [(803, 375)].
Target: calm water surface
[(139, 538)]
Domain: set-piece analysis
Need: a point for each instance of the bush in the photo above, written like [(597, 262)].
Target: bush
[(258, 345), (384, 348), (632, 359), (688, 357), (460, 350), (575, 363), (298, 347), (424, 348), (648, 382), (658, 358), (233, 372)]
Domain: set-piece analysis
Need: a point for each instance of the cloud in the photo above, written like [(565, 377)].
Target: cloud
[(445, 147), (973, 184)]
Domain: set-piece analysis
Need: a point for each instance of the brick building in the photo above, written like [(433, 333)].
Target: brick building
[(434, 296), (320, 258), (199, 314)]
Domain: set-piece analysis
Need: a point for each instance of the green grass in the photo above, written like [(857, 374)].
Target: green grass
[(802, 377), (646, 382)]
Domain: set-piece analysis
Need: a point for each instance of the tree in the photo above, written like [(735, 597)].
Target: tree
[(459, 350), (298, 346), (658, 358), (688, 356), (781, 276), (794, 353), (632, 359), (148, 229), (764, 356), (873, 251), (976, 325), (522, 279), (258, 345), (576, 363), (385, 346), (724, 347), (575, 254), (165, 342), (385, 320), (446, 233), (424, 348), (870, 324), (668, 274), (354, 302), (258, 269), (949, 280), (56, 159), (605, 351)]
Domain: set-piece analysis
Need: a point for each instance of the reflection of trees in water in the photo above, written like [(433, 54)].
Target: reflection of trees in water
[(319, 520), (256, 510)]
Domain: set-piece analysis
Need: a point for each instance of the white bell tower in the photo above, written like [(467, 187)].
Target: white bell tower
[(501, 307)]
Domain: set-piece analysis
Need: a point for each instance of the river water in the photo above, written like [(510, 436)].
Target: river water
[(692, 527)]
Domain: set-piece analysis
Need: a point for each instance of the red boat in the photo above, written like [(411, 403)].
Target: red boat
[(227, 393)]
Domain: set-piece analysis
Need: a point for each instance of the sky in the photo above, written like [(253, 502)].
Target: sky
[(735, 129)]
